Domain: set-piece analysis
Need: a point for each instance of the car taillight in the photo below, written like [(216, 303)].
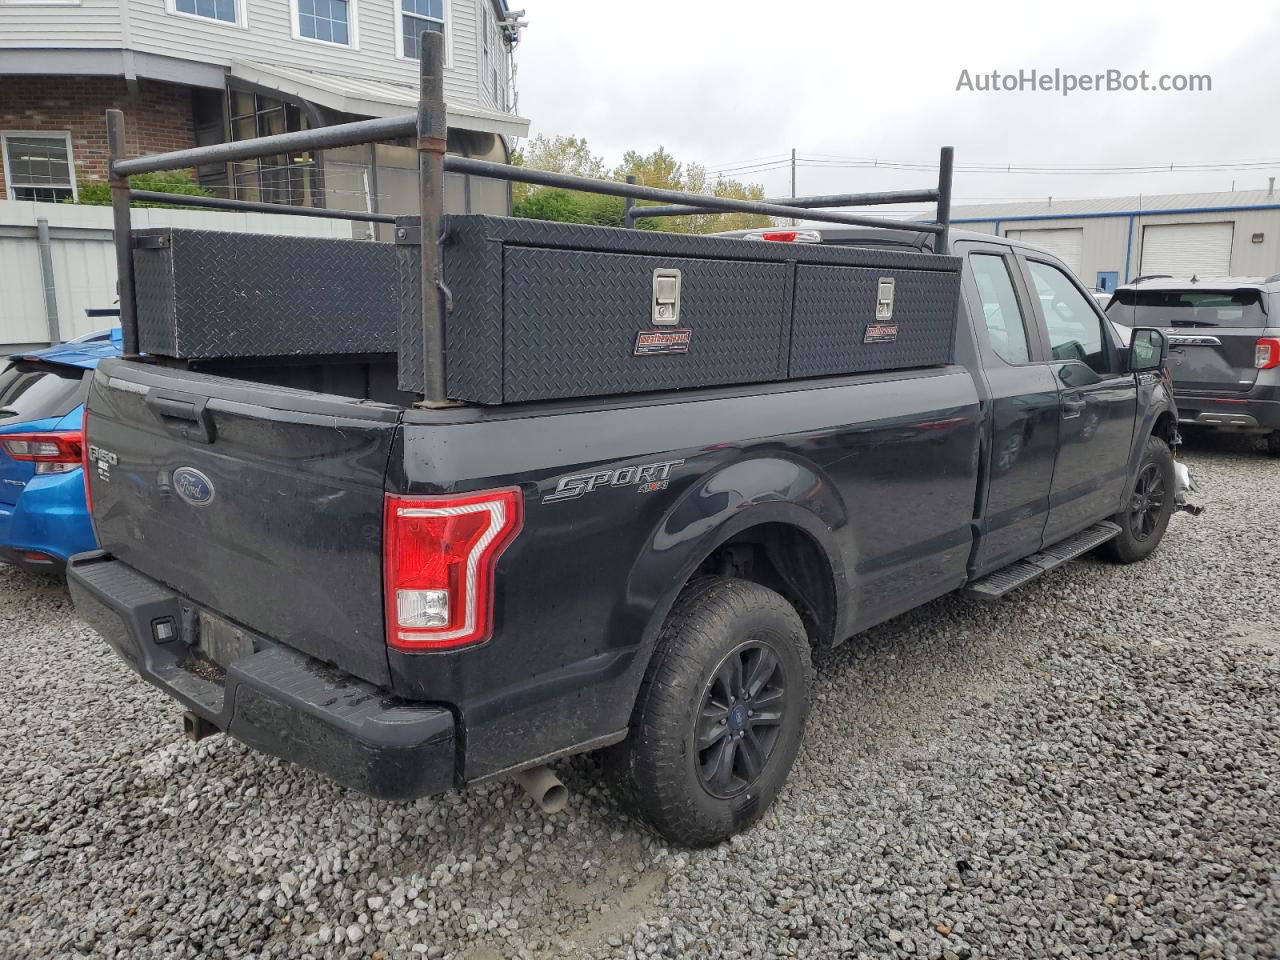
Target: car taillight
[(50, 452), (1266, 353), (439, 554)]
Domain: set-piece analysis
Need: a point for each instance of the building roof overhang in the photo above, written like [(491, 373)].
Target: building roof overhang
[(370, 98)]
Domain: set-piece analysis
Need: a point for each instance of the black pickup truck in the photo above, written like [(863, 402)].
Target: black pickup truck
[(615, 507), (646, 573)]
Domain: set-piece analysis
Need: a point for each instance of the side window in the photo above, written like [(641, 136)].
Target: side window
[(1075, 330), (1000, 307)]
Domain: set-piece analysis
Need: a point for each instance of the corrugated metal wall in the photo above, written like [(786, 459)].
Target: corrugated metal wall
[(1114, 243), (84, 259)]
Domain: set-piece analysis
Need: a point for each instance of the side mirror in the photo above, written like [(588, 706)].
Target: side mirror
[(1148, 350)]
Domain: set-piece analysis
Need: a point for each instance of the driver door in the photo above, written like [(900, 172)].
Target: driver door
[(1098, 402)]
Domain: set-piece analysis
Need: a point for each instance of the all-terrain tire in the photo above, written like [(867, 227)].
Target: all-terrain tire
[(719, 631), (1143, 521)]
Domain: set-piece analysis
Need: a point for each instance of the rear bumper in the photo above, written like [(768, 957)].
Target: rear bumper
[(1255, 411), (274, 699), (49, 518)]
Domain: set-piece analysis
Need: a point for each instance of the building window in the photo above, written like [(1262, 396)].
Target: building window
[(415, 17), (224, 11), (39, 166), (329, 21), (490, 63), (292, 178)]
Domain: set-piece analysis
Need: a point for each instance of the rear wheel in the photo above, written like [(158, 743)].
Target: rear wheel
[(1151, 501), (1273, 443), (720, 714)]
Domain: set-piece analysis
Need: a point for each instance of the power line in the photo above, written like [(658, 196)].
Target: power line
[(742, 171), (750, 160), (829, 161)]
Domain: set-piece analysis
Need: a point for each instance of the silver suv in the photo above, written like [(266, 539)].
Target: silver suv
[(1224, 347)]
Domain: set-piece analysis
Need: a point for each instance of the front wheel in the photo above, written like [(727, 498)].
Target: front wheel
[(720, 714), (1151, 501)]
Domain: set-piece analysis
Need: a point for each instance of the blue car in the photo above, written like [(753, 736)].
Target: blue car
[(43, 516)]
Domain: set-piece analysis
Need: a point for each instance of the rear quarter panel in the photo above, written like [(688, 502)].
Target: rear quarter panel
[(879, 470)]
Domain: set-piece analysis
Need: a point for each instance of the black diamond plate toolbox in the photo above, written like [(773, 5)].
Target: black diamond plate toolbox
[(835, 327), (543, 310), (204, 294), (572, 320)]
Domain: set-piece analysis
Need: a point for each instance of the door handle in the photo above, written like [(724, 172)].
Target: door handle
[(1073, 406)]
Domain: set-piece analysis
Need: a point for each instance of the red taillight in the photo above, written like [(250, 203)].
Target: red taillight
[(1266, 353), (439, 554), (46, 448)]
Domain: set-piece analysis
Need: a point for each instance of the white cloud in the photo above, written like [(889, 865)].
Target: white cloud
[(722, 82)]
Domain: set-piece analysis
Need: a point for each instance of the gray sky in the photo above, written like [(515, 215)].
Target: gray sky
[(721, 83)]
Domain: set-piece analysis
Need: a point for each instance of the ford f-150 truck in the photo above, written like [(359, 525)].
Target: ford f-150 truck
[(646, 573), (410, 597)]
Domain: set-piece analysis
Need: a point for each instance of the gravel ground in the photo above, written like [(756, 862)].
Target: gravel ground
[(1086, 769)]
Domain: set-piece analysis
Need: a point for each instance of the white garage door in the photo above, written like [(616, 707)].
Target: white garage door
[(1067, 245), (1183, 249)]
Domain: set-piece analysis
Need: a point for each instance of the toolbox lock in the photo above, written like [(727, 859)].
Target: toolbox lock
[(666, 297), (884, 299)]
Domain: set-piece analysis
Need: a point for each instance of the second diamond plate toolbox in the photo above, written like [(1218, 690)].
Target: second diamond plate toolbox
[(204, 294), (545, 310)]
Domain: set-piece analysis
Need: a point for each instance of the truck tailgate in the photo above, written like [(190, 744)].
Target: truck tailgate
[(260, 504)]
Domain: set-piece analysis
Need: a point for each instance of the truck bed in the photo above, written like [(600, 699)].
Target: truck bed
[(288, 546)]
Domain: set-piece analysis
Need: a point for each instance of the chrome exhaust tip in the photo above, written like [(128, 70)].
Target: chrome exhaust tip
[(544, 788)]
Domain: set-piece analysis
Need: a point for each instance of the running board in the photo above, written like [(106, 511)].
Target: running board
[(995, 585)]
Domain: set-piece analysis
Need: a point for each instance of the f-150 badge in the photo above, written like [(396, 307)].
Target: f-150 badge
[(649, 477)]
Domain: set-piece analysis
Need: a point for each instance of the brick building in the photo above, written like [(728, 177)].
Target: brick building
[(188, 72), (58, 114)]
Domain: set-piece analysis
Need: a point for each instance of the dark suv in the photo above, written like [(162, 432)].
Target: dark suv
[(1224, 347)]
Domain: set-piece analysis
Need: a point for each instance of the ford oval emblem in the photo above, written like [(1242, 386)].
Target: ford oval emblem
[(193, 486)]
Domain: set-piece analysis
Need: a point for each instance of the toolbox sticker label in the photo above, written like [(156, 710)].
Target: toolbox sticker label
[(653, 343), (880, 333)]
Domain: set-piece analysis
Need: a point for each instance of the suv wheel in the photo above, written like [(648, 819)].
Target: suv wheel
[(1273, 443), (1151, 501), (720, 714)]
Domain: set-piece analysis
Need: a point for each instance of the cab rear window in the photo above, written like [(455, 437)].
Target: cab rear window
[(1189, 308), (33, 390)]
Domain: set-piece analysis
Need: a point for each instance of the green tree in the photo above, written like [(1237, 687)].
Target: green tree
[(557, 155), (655, 169), (661, 169), (573, 206), (98, 193)]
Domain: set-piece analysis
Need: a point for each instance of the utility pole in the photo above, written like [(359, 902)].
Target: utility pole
[(793, 180)]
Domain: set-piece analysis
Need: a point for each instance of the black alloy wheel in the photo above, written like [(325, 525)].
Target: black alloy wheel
[(742, 712), (1146, 506)]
